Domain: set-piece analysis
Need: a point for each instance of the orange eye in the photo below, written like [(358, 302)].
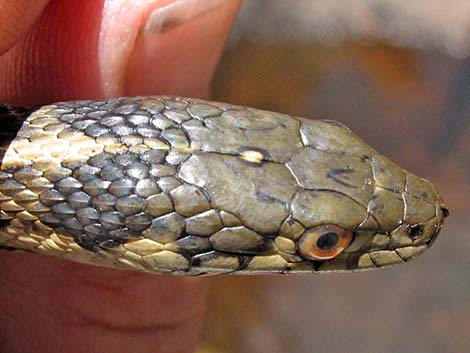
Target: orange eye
[(324, 242)]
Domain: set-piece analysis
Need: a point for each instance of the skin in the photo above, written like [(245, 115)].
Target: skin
[(65, 50)]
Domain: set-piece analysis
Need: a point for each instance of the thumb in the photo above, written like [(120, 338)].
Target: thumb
[(177, 49)]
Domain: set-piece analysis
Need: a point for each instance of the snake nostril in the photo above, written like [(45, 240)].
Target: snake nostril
[(445, 211), (415, 231)]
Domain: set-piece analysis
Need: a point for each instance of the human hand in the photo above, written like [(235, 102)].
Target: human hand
[(64, 50)]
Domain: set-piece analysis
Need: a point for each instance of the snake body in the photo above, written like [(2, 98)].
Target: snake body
[(189, 187)]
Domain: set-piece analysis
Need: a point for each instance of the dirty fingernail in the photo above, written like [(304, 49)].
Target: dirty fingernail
[(178, 46), (177, 13)]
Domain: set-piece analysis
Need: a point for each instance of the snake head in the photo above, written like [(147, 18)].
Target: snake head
[(359, 209), (330, 247), (188, 187)]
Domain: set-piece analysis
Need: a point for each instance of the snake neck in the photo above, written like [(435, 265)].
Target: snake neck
[(11, 120)]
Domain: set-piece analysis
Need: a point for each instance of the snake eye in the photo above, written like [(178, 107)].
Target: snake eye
[(324, 242)]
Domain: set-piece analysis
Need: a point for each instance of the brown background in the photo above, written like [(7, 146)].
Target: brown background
[(413, 105)]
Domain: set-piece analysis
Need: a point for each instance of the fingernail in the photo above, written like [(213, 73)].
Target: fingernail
[(178, 46), (178, 13)]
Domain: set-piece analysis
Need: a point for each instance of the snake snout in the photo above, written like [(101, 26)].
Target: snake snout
[(443, 212)]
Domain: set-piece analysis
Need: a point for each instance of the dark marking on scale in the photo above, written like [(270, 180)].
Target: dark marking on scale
[(243, 261), (268, 198), (316, 265), (338, 176)]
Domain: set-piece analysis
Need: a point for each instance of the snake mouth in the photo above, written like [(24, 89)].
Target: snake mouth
[(433, 238), (442, 214)]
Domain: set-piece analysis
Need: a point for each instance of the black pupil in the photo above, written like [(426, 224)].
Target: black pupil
[(327, 241)]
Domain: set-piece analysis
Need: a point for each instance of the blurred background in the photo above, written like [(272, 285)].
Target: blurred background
[(398, 74)]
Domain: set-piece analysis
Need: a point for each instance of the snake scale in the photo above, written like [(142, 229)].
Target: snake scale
[(190, 187)]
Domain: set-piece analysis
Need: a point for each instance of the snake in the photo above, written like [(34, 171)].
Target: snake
[(182, 186)]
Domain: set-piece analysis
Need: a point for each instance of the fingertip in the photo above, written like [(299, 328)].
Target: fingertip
[(90, 50), (56, 59), (176, 49), (16, 17)]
